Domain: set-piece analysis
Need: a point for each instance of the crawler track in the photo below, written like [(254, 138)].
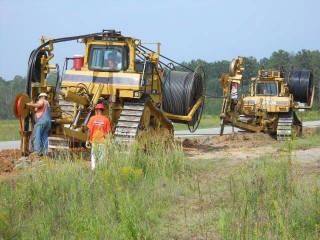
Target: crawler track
[(288, 125), (140, 118), (129, 121)]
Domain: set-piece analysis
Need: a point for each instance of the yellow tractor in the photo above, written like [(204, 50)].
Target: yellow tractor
[(141, 89), (269, 105)]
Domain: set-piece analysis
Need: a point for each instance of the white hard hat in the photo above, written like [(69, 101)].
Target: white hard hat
[(43, 95)]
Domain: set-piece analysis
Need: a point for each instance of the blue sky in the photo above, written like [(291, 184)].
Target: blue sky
[(211, 30)]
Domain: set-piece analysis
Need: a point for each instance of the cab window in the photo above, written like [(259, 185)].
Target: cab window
[(105, 58), (268, 89)]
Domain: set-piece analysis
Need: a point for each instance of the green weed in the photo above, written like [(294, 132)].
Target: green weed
[(269, 201), (10, 130), (62, 199)]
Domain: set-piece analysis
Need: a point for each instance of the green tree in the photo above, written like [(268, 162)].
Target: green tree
[(251, 67), (277, 59), (9, 90)]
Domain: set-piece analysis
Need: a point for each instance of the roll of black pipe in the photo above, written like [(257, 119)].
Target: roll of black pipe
[(181, 90), (300, 85)]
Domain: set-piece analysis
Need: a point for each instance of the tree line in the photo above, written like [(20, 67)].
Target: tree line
[(213, 70)]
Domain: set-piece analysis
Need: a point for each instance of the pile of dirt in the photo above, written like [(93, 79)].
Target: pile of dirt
[(227, 141), (235, 140), (11, 159), (308, 132), (6, 166), (8, 159)]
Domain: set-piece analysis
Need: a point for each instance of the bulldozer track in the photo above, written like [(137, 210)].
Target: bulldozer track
[(284, 129), (140, 117), (288, 124), (129, 121)]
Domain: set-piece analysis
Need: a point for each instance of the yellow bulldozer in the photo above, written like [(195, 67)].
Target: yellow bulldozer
[(143, 93), (270, 104)]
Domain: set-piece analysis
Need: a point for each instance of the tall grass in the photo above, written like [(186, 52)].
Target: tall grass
[(122, 199), (269, 201)]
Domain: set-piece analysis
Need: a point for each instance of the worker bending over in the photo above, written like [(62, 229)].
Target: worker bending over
[(39, 136), (99, 128)]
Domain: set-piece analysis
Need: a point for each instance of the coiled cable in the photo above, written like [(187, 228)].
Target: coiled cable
[(181, 91), (301, 85)]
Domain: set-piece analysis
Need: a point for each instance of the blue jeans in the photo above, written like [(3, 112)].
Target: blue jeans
[(41, 133)]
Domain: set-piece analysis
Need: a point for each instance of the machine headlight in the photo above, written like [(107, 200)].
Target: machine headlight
[(136, 94)]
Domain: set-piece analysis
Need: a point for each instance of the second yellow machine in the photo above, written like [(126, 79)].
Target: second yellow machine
[(141, 89), (270, 104)]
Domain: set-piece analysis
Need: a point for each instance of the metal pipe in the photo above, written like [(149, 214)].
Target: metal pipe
[(87, 118), (25, 142), (75, 123), (97, 94)]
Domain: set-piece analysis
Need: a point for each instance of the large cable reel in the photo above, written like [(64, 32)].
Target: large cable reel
[(301, 85), (199, 93), (181, 91)]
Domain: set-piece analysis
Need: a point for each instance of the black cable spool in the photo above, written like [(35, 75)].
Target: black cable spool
[(36, 74), (181, 90), (301, 85), (34, 68)]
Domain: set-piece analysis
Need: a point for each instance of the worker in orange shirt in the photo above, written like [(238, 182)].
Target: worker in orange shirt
[(99, 128)]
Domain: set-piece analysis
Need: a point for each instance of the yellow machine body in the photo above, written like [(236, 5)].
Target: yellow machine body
[(131, 90), (268, 106)]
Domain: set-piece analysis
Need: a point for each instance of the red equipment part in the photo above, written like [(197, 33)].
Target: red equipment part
[(19, 108)]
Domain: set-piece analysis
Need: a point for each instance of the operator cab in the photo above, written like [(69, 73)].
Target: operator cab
[(108, 58), (266, 89)]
